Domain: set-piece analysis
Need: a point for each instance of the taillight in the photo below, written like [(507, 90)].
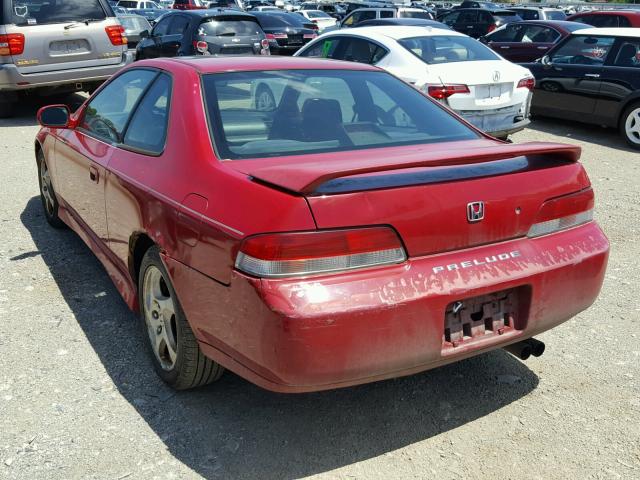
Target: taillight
[(264, 43), (116, 34), (563, 212), (528, 82), (491, 28), (201, 46), (316, 252), (441, 92), (11, 44)]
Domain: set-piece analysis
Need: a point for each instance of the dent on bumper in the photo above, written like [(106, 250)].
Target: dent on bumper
[(12, 79), (328, 332)]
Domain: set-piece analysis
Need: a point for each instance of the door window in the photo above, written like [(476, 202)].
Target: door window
[(386, 14), (178, 26), (148, 127), (600, 21), (361, 51), (629, 54), (538, 34), (583, 50), (107, 113), (451, 18), (162, 27), (323, 48), (510, 33)]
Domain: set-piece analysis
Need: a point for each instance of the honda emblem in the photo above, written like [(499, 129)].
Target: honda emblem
[(475, 211)]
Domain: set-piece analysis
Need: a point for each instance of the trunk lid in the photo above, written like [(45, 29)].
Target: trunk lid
[(424, 193)]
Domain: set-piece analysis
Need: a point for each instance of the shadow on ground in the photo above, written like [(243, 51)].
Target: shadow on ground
[(27, 108), (607, 137), (233, 429)]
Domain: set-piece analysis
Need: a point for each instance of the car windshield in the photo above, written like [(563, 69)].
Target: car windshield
[(134, 24), (217, 27), (35, 12), (293, 112), (447, 48), (275, 21)]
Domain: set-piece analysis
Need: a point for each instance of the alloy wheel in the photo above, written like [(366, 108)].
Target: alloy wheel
[(46, 190), (632, 126), (160, 318)]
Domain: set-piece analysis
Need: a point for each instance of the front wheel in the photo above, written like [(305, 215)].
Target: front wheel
[(47, 194), (630, 125), (174, 349)]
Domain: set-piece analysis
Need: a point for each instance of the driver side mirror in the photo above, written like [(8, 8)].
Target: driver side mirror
[(144, 34), (54, 116), (546, 61)]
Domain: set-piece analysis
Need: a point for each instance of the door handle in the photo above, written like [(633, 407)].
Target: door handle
[(94, 175), (592, 75), (543, 48), (505, 48)]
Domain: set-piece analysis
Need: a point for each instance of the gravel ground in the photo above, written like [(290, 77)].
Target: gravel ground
[(78, 398)]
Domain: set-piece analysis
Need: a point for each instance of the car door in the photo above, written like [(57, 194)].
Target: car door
[(172, 41), (83, 153), (151, 47), (619, 80), (568, 79)]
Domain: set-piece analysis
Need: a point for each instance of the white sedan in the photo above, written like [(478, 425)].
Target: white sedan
[(320, 18), (485, 89)]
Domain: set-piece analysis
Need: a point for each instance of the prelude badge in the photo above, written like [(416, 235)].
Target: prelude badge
[(475, 211)]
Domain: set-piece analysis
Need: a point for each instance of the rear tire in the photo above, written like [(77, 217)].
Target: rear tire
[(265, 100), (630, 125), (47, 193), (173, 348)]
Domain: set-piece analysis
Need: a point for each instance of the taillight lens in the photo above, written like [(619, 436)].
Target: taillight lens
[(441, 92), (528, 82), (11, 44), (311, 253), (116, 34), (201, 46), (563, 212), (264, 43)]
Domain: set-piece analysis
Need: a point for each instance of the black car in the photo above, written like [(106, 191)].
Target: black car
[(592, 78), (477, 22), (404, 22), (286, 32), (204, 32)]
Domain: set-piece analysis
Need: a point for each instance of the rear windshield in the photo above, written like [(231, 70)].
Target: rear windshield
[(36, 12), (293, 112), (274, 21), (555, 15), (446, 49), (134, 24), (222, 27), (415, 14)]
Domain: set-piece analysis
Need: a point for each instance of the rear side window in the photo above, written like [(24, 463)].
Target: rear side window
[(447, 49), (323, 48), (510, 33), (128, 4), (178, 25), (108, 112), (629, 54), (603, 21), (360, 50), (162, 27), (386, 14), (555, 15), (229, 27), (539, 34), (36, 12), (148, 128)]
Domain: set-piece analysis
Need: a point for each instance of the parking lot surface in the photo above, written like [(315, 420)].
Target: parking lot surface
[(79, 398)]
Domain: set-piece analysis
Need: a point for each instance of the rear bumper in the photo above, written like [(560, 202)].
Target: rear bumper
[(335, 331), (500, 122), (11, 79)]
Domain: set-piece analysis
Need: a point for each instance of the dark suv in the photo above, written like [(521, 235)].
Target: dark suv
[(204, 32), (477, 22)]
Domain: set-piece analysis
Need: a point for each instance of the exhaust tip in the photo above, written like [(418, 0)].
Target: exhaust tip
[(521, 350)]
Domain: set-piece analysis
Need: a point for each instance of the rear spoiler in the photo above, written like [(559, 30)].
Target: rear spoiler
[(312, 174)]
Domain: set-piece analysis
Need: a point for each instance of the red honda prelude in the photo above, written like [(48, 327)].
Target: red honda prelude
[(344, 230)]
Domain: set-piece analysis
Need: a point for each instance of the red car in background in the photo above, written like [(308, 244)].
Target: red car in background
[(608, 18), (529, 40), (357, 231)]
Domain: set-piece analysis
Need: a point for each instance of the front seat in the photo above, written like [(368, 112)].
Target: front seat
[(322, 121)]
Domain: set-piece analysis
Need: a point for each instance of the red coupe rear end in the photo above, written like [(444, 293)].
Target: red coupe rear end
[(324, 224)]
